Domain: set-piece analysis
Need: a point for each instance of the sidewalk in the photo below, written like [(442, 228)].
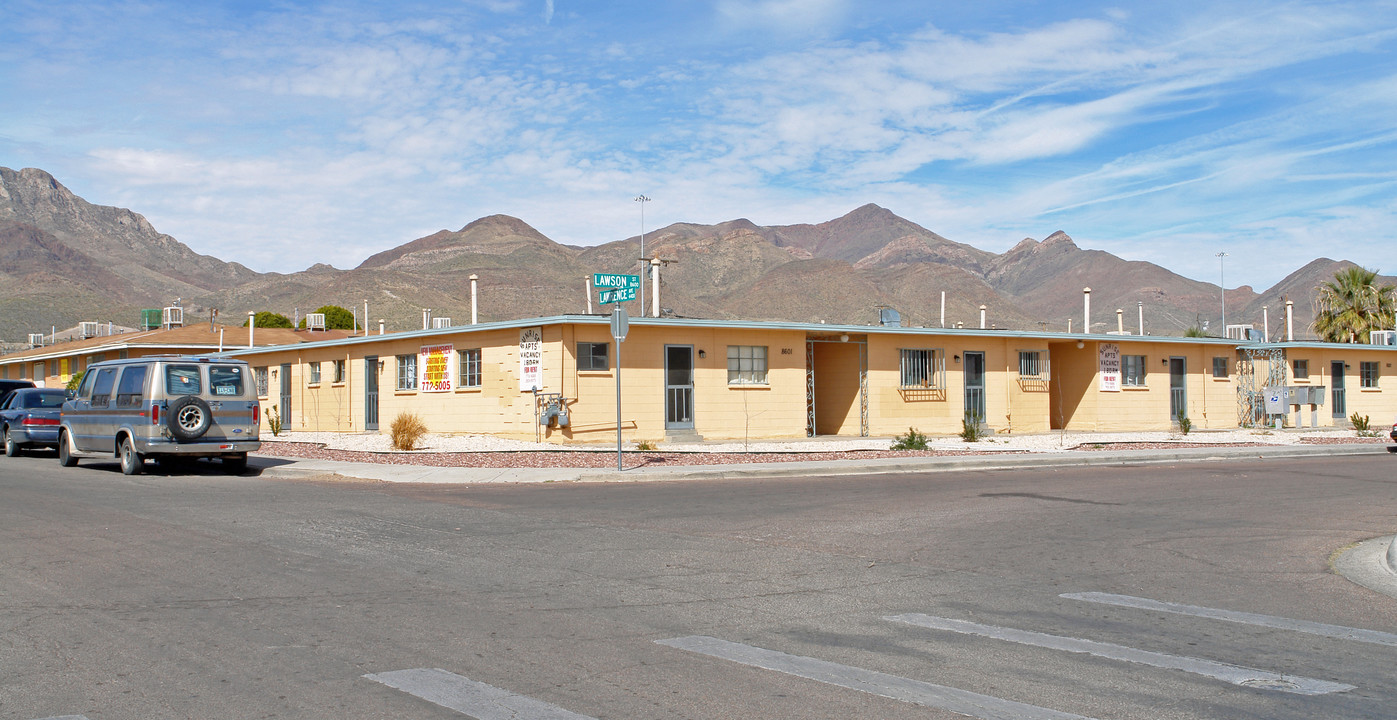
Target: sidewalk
[(300, 467)]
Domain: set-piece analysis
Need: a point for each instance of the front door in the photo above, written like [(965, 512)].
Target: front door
[(1336, 379), (1178, 397), (371, 393), (679, 387), (285, 410), (975, 386)]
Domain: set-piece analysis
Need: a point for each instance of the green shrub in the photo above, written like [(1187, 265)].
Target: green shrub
[(1184, 423), (407, 429), (972, 427), (1360, 422), (913, 440), (274, 421), (645, 445)]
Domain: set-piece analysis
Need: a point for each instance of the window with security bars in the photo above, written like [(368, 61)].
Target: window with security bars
[(746, 364), (470, 368), (592, 356), (313, 374), (1300, 369), (1219, 367), (1368, 374), (1133, 370), (260, 376), (920, 368), (339, 371), (407, 372), (1031, 364)]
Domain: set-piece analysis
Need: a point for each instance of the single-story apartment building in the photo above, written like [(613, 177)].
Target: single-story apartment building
[(556, 378)]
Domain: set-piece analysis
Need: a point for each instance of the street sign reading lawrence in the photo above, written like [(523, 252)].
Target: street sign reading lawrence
[(603, 281), (606, 297)]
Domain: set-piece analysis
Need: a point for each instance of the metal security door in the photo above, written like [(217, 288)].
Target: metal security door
[(1336, 380), (284, 411), (371, 393), (1178, 397), (679, 387), (975, 386)]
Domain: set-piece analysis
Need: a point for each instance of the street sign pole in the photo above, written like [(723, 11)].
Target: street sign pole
[(620, 325)]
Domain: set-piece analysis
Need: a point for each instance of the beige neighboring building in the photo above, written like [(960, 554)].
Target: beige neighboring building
[(554, 378)]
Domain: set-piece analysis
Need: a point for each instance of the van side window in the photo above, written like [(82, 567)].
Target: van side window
[(85, 388), (225, 380), (102, 389), (130, 392), (182, 380)]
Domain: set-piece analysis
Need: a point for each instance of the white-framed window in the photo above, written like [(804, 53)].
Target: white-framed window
[(921, 368), (1368, 374), (1133, 370), (593, 356), (313, 373), (746, 364), (407, 372), (1300, 369), (1031, 365), (1220, 367), (260, 375), (470, 368), (339, 371)]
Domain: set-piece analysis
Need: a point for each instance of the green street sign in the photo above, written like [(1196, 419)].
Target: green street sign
[(604, 281), (606, 297)]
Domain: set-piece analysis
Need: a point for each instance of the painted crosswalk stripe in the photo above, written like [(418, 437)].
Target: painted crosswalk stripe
[(1338, 632), (476, 699), (875, 683), (1235, 674)]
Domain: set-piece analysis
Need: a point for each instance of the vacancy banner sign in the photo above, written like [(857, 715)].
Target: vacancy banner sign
[(530, 359), (437, 372), (1110, 367)]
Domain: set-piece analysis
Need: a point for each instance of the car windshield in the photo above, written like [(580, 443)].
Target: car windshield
[(182, 380), (43, 399)]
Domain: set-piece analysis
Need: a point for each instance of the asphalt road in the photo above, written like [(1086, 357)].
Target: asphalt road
[(205, 596)]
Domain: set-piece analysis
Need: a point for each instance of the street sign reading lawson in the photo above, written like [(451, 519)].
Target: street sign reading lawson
[(607, 297), (615, 288), (603, 281)]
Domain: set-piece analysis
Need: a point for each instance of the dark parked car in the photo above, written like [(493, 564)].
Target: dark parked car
[(9, 386), (29, 419)]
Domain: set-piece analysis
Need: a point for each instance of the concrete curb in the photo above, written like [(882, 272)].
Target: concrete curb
[(299, 468), (1392, 555), (1369, 564)]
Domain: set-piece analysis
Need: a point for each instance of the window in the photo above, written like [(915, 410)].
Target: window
[(182, 380), (1133, 367), (1220, 367), (130, 392), (226, 380), (339, 371), (917, 368), (470, 368), (746, 364), (102, 389), (1030, 364), (260, 375), (407, 372), (313, 376), (592, 356), (1368, 374), (40, 373), (1300, 369)]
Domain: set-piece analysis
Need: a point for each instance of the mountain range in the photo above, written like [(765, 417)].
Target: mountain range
[(64, 260)]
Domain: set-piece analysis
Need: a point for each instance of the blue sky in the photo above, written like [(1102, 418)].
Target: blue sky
[(284, 134)]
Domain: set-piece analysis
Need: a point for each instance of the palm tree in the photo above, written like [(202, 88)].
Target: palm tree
[(1351, 304)]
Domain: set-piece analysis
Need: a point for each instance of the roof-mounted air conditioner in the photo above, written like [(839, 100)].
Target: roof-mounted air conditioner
[(315, 321)]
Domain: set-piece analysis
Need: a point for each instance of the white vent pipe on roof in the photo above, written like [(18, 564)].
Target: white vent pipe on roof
[(475, 300), (943, 308), (655, 287), (588, 279), (1140, 306), (1289, 321), (380, 326), (1086, 310), (426, 318), (982, 317), (1120, 321), (251, 326), (1265, 324)]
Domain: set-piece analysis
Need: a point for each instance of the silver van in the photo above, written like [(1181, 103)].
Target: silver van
[(166, 407)]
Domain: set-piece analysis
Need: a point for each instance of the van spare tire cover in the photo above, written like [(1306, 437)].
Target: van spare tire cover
[(189, 418)]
